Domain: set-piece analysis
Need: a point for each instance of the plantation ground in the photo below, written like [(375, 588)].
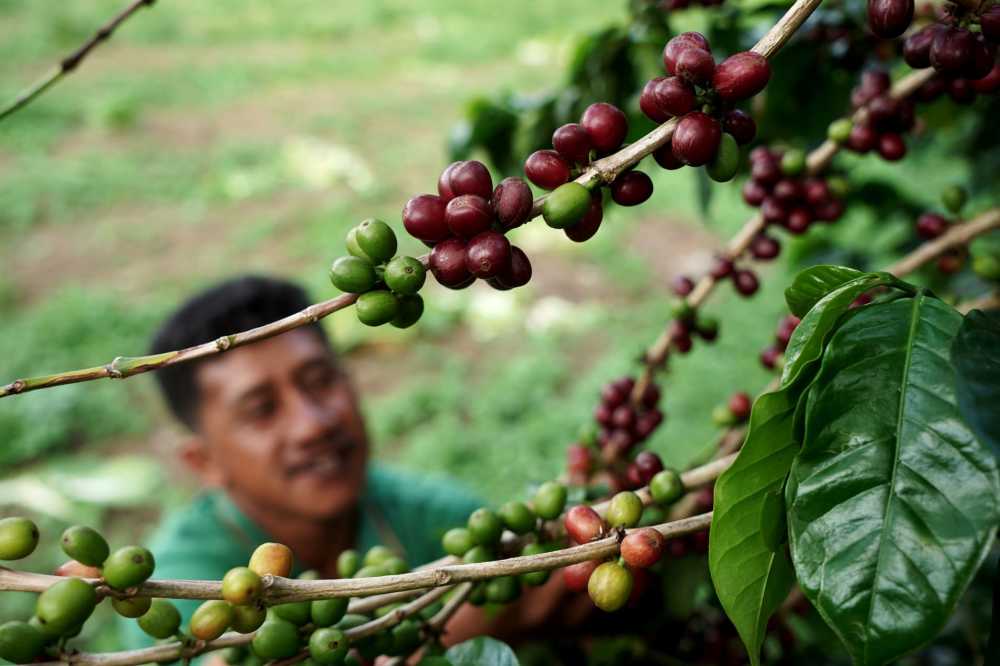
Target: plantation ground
[(211, 139)]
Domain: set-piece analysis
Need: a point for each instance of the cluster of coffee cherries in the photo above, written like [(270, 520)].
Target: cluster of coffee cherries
[(887, 119), (966, 61), (464, 225), (771, 356), (622, 424), (930, 225), (387, 285), (787, 197), (62, 609), (703, 94)]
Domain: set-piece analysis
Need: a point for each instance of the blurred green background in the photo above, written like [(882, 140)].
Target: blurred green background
[(210, 139)]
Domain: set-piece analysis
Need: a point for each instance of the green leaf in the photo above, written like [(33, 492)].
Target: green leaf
[(976, 356), (814, 283), (892, 501), (482, 651)]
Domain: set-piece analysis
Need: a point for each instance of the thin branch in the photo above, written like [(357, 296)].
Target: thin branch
[(604, 170), (70, 62), (959, 235), (435, 626)]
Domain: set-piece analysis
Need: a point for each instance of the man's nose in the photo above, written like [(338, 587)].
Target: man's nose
[(309, 419)]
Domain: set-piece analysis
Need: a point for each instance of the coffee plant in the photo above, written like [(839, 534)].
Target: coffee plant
[(861, 485)]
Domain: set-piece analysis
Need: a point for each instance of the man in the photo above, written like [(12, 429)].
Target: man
[(277, 438)]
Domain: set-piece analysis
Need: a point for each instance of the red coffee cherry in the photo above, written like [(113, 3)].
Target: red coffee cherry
[(583, 524), (679, 44), (754, 193), (786, 191), (829, 211), (798, 220), (766, 170), (989, 22), (447, 263), (631, 188), (648, 464), (889, 19), (815, 191), (721, 268), (423, 218), (682, 285), (952, 50), (643, 548), (547, 169), (576, 576), (590, 222), (917, 47), (623, 417), (650, 396), (696, 66), (467, 215), (516, 273), (891, 147), (745, 282), (674, 96), (512, 202), (882, 111), (444, 182), (931, 225), (664, 156), (607, 126), (572, 141), (696, 139), (740, 406), (740, 124), (470, 177), (989, 83), (647, 423), (862, 138), (764, 247), (984, 56), (961, 91), (773, 211), (741, 76), (487, 254), (769, 357), (579, 459), (649, 104)]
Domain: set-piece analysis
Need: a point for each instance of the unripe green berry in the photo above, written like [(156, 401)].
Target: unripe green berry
[(726, 162), (405, 637), (609, 586), (550, 500), (394, 566), (296, 612), (378, 307), (411, 309), (351, 243), (352, 620), (566, 205), (85, 545), (534, 578), (18, 538), (20, 642), (986, 266), (241, 586), (405, 275), (348, 563), (276, 639), (353, 275), (503, 589), (128, 567), (328, 612), (328, 646), (162, 620), (132, 607), (666, 487), (478, 555), (954, 197), (376, 239), (624, 510), (839, 130), (682, 310), (793, 162), (247, 619), (66, 605), (838, 186), (457, 541), (485, 527), (378, 554), (722, 416), (370, 571), (211, 620), (518, 518)]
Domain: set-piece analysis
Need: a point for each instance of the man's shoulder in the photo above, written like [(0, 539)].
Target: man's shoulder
[(198, 526)]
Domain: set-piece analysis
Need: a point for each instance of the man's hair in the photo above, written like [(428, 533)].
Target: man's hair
[(235, 305)]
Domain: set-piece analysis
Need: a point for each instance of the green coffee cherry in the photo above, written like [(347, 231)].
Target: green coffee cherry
[(162, 620), (550, 500), (503, 589), (378, 307), (405, 637), (128, 567), (457, 541), (478, 555), (566, 205), (373, 646), (838, 186), (624, 510), (241, 586), (411, 309), (394, 566), (348, 563), (954, 197), (485, 527), (271, 558), (477, 597), (48, 635), (66, 605), (682, 310), (370, 571), (131, 607), (351, 620), (247, 619), (986, 266), (353, 275), (726, 162), (839, 130), (276, 639), (722, 416), (328, 646), (85, 545), (20, 642), (328, 612), (376, 239), (534, 578), (793, 162), (211, 620), (18, 538), (297, 612), (609, 586), (666, 487), (405, 275), (378, 554), (234, 655), (351, 243), (518, 518)]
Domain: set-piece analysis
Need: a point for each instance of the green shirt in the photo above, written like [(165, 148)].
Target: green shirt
[(211, 535)]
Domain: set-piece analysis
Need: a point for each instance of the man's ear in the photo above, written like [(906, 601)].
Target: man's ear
[(196, 456)]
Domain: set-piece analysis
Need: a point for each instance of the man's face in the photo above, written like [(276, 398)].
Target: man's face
[(281, 426)]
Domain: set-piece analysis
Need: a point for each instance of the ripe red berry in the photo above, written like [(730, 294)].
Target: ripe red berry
[(643, 548), (547, 169), (674, 96), (740, 405), (470, 177), (487, 254), (766, 170), (447, 263), (989, 83), (891, 146), (623, 417), (815, 191), (989, 23), (682, 285), (649, 104), (444, 183), (740, 124), (984, 55), (696, 66), (650, 396), (648, 465), (917, 46), (679, 44), (721, 267), (798, 220), (664, 156), (889, 19), (607, 126), (764, 247), (862, 138), (467, 215), (512, 202), (787, 191), (579, 459), (680, 337), (754, 193), (773, 211), (631, 188), (602, 414), (745, 282), (952, 50), (647, 423), (423, 218), (576, 576), (931, 225), (583, 524), (961, 91), (950, 263), (572, 141), (516, 273), (769, 357), (740, 76), (590, 222), (882, 111), (696, 139), (829, 211)]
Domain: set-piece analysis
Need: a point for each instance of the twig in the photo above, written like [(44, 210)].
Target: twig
[(958, 235), (70, 62), (435, 626), (604, 170)]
